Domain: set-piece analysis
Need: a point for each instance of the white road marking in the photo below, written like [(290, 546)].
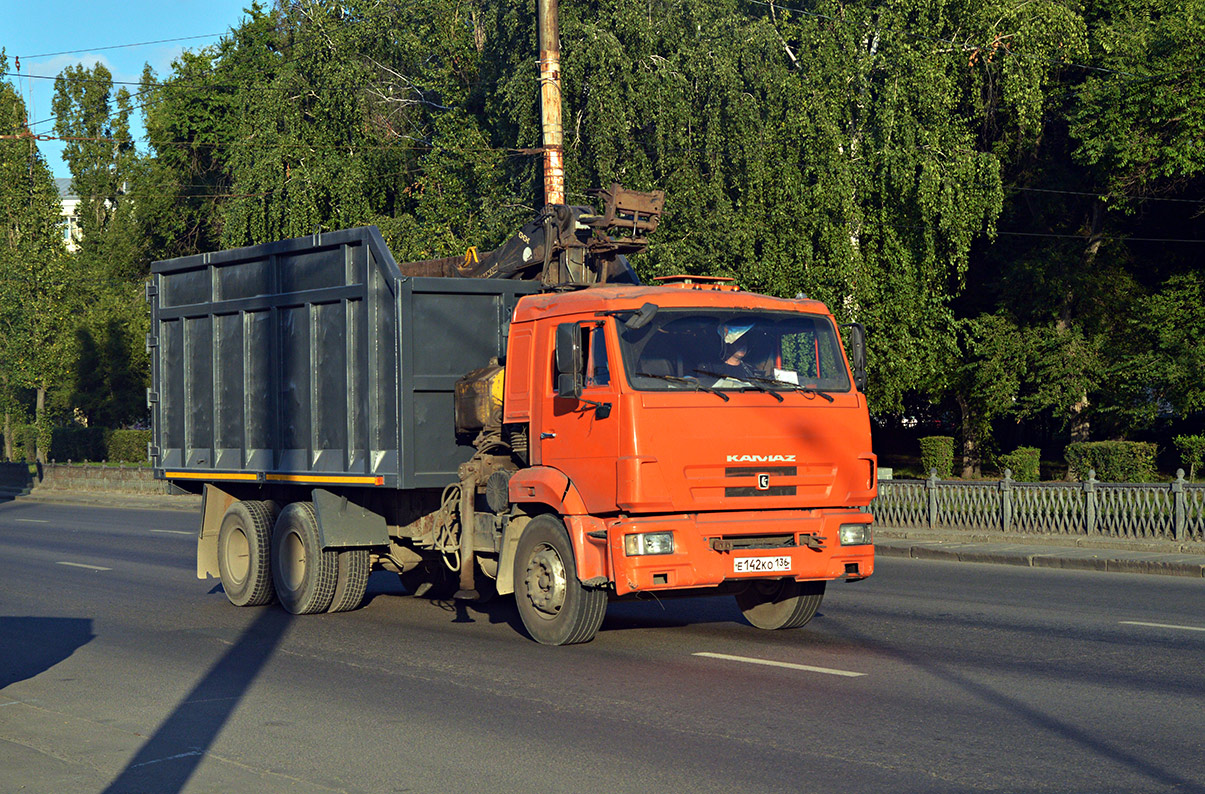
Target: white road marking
[(1161, 625), (805, 667), (33, 520), (172, 532), (189, 754), (81, 565)]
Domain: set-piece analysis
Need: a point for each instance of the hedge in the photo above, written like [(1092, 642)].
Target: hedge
[(128, 446), (937, 452), (1114, 461), (25, 443), (1025, 463), (76, 442)]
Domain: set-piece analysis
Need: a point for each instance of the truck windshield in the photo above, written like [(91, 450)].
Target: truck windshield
[(683, 349)]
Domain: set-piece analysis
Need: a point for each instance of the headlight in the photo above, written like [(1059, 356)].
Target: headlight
[(855, 534), (648, 543)]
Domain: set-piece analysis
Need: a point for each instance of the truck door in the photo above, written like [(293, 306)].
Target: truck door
[(578, 436)]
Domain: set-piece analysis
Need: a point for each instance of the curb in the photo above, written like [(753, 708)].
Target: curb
[(1106, 560), (113, 499)]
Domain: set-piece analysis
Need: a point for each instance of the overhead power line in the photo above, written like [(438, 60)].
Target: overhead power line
[(121, 46), (1103, 237), (1090, 194)]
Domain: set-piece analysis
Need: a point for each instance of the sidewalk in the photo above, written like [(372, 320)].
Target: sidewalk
[(122, 500), (1114, 555)]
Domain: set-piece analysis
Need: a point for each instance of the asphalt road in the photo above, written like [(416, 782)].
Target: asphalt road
[(131, 675)]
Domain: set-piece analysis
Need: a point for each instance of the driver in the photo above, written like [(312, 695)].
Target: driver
[(736, 360)]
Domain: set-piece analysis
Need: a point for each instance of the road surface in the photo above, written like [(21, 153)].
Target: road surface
[(122, 672)]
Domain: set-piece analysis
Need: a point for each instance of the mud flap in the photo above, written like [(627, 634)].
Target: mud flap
[(214, 504)]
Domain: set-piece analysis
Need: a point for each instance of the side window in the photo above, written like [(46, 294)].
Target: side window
[(598, 369)]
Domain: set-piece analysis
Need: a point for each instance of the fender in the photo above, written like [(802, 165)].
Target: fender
[(547, 486), (214, 504), (550, 487)]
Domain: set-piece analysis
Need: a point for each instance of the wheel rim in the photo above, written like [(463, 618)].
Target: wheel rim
[(546, 581), (238, 556), (292, 561)]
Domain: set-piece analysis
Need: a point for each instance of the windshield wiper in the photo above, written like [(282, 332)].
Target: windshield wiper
[(693, 382), (802, 389), (755, 382), (748, 380)]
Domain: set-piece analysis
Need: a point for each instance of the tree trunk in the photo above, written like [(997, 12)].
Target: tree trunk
[(8, 435), (1081, 428), (971, 461), (41, 411)]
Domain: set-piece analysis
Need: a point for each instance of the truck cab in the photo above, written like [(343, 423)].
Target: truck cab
[(693, 438)]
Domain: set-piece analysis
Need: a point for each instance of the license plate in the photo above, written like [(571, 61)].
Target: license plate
[(761, 565)]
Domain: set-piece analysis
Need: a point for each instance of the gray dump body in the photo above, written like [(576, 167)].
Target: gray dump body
[(315, 360)]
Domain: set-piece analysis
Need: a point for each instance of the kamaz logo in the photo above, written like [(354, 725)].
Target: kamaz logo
[(761, 458)]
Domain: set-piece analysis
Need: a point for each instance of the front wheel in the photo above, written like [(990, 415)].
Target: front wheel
[(781, 604), (556, 609)]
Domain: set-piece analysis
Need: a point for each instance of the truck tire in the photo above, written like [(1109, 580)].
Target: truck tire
[(243, 553), (554, 606), (782, 604), (351, 580), (304, 574)]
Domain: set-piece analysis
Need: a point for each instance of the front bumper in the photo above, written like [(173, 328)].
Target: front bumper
[(707, 548)]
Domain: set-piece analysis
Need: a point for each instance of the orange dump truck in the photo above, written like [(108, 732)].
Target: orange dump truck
[(570, 442)]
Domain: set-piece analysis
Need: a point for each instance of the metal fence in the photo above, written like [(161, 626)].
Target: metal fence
[(1134, 511)]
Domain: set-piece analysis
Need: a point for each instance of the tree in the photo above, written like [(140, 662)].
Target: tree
[(36, 314)]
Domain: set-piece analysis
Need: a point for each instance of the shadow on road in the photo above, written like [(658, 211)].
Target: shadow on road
[(1098, 747), (32, 645), (172, 754)]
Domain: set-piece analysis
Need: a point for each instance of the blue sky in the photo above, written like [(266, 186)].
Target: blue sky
[(34, 29)]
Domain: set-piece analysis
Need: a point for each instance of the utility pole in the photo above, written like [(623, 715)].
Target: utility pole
[(550, 102)]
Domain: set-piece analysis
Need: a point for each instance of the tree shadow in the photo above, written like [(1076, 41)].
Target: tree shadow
[(33, 645), (168, 759), (1041, 720)]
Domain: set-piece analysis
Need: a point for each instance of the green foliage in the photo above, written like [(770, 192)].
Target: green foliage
[(1025, 463), (937, 452), (36, 307), (1113, 461), (128, 446), (863, 153), (1139, 119), (1192, 452), (25, 446)]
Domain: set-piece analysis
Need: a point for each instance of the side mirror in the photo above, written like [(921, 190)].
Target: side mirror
[(641, 316), (857, 353), (568, 361)]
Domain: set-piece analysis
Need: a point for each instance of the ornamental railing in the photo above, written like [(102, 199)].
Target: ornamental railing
[(1133, 511)]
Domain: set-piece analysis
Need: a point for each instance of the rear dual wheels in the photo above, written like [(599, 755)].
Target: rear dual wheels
[(555, 607), (262, 555), (780, 604)]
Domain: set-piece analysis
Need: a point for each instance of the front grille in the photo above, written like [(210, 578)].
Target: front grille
[(762, 475)]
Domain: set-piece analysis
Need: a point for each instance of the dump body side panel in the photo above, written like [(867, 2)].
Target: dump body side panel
[(314, 361)]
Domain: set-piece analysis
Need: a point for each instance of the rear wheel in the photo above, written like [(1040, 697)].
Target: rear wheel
[(305, 576), (243, 551), (556, 609), (781, 604), (351, 580)]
